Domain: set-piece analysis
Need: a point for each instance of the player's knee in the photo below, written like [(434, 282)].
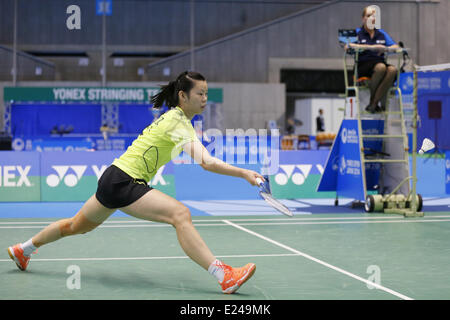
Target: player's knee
[(75, 225), (181, 215), (66, 227), (380, 68)]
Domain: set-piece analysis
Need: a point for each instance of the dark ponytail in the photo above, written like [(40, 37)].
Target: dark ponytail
[(169, 93), (166, 94)]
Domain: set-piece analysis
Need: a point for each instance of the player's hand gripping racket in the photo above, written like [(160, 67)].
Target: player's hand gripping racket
[(265, 194)]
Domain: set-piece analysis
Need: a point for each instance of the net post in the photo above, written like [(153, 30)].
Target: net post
[(414, 143)]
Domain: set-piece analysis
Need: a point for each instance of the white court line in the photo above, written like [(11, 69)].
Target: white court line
[(320, 261), (124, 226), (328, 218), (341, 222), (157, 258), (286, 223), (138, 221), (48, 222)]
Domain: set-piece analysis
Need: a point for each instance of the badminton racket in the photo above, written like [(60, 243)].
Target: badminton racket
[(265, 194)]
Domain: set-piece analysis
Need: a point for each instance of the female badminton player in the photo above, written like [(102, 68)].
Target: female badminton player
[(124, 184)]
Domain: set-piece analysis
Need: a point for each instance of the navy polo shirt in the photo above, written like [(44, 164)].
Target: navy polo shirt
[(380, 37)]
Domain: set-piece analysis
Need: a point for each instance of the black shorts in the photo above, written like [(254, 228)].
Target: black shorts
[(365, 68), (116, 189)]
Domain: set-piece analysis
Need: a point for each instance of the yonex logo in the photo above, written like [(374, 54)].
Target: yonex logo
[(71, 175), (158, 178), (447, 164), (297, 178), (70, 179), (8, 176)]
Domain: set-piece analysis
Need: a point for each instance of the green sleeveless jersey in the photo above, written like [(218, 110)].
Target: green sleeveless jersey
[(160, 142)]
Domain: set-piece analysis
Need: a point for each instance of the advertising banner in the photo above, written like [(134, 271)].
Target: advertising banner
[(72, 176), (298, 175), (431, 87), (19, 176), (343, 170), (195, 183), (447, 172), (164, 180), (350, 178), (67, 143), (91, 94)]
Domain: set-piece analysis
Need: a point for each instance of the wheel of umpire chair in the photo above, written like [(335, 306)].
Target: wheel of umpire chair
[(369, 206), (419, 202), (374, 203)]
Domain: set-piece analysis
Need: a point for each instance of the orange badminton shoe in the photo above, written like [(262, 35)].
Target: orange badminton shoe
[(234, 278), (16, 254)]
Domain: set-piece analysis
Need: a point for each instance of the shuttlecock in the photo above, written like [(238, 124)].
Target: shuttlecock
[(427, 145)]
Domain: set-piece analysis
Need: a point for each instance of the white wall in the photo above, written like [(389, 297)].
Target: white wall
[(251, 105), (307, 110)]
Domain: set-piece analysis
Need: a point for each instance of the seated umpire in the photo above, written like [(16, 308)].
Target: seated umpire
[(371, 62)]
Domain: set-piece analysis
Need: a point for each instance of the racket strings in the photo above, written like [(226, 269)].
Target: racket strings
[(275, 203)]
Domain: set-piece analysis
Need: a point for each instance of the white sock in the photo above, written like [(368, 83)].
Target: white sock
[(28, 248), (216, 269)]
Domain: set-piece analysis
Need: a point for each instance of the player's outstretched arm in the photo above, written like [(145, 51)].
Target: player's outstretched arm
[(201, 156)]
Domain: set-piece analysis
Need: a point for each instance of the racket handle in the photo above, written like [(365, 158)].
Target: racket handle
[(259, 181)]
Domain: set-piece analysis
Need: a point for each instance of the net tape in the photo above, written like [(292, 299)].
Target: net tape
[(434, 67)]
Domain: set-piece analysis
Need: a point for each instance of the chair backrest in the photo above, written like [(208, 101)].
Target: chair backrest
[(347, 36)]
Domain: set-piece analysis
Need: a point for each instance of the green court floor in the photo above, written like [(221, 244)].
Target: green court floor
[(306, 257)]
